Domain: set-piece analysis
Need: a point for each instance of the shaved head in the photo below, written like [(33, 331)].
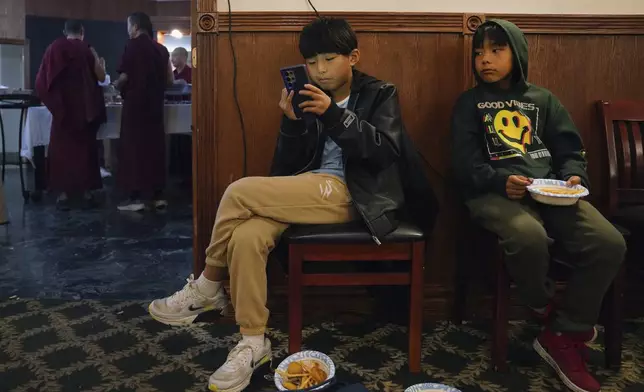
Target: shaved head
[(74, 27), (179, 57), (180, 52)]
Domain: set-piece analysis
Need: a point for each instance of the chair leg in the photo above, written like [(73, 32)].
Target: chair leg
[(500, 318), (613, 321), (416, 306), (294, 298), (461, 281)]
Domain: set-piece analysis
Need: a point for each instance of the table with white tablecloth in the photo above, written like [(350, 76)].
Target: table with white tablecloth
[(178, 120), (37, 130)]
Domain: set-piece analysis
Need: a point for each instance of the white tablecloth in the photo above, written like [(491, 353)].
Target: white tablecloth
[(178, 118)]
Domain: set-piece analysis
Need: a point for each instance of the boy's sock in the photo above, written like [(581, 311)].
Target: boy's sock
[(254, 340), (208, 287)]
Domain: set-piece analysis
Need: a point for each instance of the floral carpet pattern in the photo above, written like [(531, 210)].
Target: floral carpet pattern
[(57, 345)]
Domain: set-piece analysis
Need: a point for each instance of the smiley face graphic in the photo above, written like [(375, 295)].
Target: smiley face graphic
[(514, 129)]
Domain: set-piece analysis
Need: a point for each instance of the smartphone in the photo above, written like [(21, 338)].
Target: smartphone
[(295, 77)]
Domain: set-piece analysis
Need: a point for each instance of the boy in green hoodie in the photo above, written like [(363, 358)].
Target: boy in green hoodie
[(506, 132)]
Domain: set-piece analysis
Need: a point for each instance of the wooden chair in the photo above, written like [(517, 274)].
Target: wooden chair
[(612, 307), (623, 124), (351, 242)]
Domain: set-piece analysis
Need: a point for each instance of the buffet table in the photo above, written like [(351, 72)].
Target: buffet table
[(178, 120), (37, 130), (19, 100)]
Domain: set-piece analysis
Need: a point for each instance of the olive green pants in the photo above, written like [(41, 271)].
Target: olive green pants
[(526, 229)]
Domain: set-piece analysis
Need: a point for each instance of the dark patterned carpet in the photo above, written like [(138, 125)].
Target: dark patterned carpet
[(54, 345)]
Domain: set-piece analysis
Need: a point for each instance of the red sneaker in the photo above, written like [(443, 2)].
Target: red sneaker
[(542, 317), (586, 337), (565, 355)]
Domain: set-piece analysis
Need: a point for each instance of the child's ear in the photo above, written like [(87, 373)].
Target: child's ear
[(354, 57)]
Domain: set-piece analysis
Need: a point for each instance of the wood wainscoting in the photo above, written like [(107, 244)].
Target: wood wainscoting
[(580, 58)]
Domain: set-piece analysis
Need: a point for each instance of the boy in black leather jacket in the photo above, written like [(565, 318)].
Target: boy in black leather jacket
[(345, 165)]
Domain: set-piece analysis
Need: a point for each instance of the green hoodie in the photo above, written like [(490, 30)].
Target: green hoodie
[(524, 130)]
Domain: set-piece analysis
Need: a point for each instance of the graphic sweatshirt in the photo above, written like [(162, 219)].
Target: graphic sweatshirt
[(524, 130)]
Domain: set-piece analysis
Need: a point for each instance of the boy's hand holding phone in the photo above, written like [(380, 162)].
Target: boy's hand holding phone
[(286, 104), (318, 101)]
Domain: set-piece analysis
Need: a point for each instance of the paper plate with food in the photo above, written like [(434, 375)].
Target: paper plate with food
[(556, 192), (431, 387), (306, 370)]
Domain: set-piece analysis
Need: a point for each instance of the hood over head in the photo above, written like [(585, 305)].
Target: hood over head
[(519, 46)]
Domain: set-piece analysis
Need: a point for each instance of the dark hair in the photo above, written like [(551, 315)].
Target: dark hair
[(491, 31), (73, 26), (327, 35), (142, 21)]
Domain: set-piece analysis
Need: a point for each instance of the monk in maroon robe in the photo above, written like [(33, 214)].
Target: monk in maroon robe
[(182, 70), (67, 83), (145, 72)]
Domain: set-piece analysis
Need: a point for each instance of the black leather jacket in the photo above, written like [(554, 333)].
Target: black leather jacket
[(377, 154)]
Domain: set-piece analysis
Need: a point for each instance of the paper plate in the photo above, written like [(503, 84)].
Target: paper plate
[(538, 193), (326, 362), (431, 387)]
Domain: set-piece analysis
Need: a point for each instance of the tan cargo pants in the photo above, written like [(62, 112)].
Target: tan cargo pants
[(252, 214)]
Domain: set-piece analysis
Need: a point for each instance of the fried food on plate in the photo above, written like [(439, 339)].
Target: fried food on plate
[(561, 190), (302, 375)]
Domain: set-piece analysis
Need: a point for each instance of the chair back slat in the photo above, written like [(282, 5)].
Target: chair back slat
[(638, 149), (624, 155), (623, 123)]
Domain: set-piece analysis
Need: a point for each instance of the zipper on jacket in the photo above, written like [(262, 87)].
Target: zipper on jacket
[(352, 106), (315, 152), (364, 219)]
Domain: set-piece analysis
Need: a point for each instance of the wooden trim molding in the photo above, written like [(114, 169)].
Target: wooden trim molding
[(577, 24), (436, 22), (361, 21)]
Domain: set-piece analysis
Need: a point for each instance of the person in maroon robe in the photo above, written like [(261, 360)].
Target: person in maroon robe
[(145, 72), (67, 83), (182, 70)]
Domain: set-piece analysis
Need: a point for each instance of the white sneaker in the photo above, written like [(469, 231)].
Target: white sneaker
[(183, 307), (243, 360), (160, 204), (105, 173), (132, 205)]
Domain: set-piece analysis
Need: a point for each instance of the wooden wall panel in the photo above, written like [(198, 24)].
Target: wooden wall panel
[(204, 137), (580, 70), (427, 58), (419, 64)]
